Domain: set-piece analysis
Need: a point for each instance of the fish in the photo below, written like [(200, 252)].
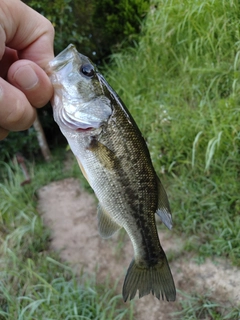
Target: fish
[(114, 158)]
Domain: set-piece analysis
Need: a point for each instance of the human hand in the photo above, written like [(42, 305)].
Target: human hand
[(26, 47)]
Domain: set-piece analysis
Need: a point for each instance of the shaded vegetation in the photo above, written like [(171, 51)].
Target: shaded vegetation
[(96, 28), (116, 24)]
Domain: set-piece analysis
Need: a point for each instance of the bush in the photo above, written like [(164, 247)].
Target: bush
[(116, 22), (94, 26), (24, 142), (61, 14)]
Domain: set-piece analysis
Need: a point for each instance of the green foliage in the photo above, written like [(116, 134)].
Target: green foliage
[(117, 21), (205, 307), (61, 14), (34, 283), (181, 84), (19, 142), (94, 26), (83, 24)]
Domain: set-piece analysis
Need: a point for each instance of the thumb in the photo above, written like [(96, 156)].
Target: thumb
[(32, 81)]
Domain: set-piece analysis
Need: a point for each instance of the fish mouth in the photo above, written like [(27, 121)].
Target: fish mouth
[(84, 130)]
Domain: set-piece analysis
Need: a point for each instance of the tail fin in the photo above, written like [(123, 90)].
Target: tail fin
[(156, 279)]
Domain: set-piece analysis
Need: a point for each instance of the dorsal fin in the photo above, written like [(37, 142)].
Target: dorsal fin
[(164, 211), (106, 226)]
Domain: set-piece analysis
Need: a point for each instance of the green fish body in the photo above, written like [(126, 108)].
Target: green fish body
[(115, 160)]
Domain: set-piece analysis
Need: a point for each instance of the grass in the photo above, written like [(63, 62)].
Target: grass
[(34, 284), (205, 307), (181, 84)]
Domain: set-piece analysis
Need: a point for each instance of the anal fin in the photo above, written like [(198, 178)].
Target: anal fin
[(164, 211), (106, 226)]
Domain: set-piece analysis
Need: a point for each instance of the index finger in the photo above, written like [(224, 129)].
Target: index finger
[(26, 31)]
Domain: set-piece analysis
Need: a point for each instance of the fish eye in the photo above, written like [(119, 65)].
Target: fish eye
[(87, 70)]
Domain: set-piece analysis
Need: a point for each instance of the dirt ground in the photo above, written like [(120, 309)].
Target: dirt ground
[(70, 213)]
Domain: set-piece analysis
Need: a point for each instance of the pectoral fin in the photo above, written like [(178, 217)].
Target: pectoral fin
[(163, 210), (82, 169), (106, 157), (106, 226)]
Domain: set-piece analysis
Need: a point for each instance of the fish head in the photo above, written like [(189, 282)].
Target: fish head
[(80, 104)]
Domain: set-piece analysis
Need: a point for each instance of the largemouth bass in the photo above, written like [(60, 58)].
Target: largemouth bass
[(115, 160)]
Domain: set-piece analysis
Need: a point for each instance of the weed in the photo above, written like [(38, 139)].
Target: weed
[(181, 85), (204, 307), (34, 283)]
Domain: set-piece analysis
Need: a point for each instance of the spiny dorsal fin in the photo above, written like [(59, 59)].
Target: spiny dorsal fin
[(164, 211), (106, 226)]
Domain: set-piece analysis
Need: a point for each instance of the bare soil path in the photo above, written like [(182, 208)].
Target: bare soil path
[(70, 213)]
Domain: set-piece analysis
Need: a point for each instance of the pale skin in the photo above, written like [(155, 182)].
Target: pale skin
[(26, 47)]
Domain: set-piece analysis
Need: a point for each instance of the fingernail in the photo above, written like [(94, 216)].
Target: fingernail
[(26, 77)]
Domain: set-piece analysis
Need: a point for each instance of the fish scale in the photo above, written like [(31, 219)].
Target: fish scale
[(116, 162), (125, 183)]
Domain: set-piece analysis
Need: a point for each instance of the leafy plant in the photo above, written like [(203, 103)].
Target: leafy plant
[(117, 22), (61, 14), (16, 142)]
